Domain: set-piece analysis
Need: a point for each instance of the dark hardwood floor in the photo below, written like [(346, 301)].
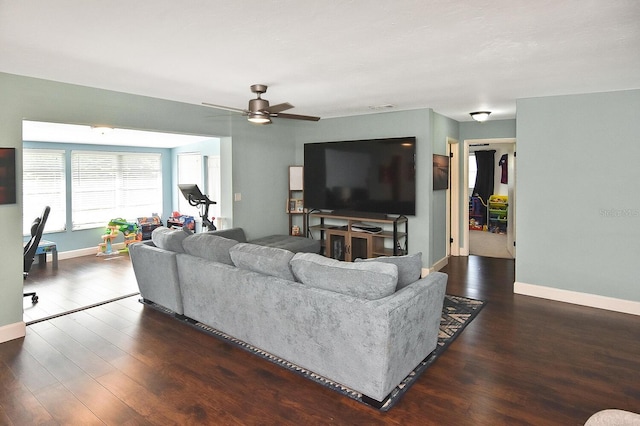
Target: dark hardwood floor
[(521, 361), (76, 284)]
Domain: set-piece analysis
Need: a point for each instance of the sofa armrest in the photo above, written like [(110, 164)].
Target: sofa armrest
[(156, 271), (414, 324)]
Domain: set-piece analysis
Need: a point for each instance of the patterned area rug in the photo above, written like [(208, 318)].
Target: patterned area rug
[(457, 313)]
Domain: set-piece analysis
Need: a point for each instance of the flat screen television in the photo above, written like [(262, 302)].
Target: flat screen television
[(365, 176)]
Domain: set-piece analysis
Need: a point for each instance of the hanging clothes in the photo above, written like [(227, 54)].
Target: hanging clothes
[(504, 178)]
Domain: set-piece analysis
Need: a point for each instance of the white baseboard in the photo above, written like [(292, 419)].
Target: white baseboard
[(81, 252), (440, 264), (12, 331), (436, 266), (583, 299)]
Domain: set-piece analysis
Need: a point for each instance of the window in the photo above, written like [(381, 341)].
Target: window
[(189, 171), (108, 185), (213, 184), (473, 171), (43, 184)]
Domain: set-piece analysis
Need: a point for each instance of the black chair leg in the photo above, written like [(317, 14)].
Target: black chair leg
[(33, 295)]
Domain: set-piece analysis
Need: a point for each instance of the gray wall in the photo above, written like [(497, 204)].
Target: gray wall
[(443, 128), (492, 129), (578, 213), (251, 156), (417, 123), (578, 209), (256, 158)]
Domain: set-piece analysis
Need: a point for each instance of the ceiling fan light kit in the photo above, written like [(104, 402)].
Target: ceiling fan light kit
[(259, 118), (259, 111)]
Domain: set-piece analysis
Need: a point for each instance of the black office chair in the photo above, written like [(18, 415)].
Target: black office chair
[(32, 246)]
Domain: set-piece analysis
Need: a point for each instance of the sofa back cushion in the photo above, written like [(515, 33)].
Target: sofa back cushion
[(209, 246), (271, 261), (169, 239), (409, 267), (364, 280), (236, 234)]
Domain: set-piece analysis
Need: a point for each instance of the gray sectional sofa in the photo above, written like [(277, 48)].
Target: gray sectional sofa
[(364, 325)]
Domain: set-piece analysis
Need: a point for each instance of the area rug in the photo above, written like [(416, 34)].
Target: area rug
[(457, 313)]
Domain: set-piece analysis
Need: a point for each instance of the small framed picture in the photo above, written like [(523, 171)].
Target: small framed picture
[(7, 175), (440, 172), (299, 206)]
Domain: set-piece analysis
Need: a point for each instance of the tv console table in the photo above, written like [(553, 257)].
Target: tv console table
[(339, 240)]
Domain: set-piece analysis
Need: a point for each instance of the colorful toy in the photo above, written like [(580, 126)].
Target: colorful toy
[(181, 221), (115, 226), (146, 225)]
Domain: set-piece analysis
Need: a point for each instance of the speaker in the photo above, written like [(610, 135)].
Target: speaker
[(296, 178)]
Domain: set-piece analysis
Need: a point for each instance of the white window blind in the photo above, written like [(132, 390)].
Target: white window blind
[(213, 184), (108, 185), (43, 184), (473, 171), (189, 171)]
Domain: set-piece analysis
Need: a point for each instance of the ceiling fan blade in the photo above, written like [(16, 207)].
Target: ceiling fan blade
[(223, 107), (298, 117), (274, 109)]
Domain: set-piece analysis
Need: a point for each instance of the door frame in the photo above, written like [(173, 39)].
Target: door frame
[(463, 190), (453, 199)]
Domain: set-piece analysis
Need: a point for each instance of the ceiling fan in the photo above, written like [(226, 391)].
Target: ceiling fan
[(260, 112)]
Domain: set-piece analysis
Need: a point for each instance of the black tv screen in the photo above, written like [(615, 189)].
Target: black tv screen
[(364, 176)]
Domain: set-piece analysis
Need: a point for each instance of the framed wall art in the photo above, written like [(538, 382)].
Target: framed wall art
[(7, 175), (440, 172)]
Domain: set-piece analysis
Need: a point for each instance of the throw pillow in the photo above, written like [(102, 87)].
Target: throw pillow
[(365, 280), (409, 267), (169, 239), (210, 247), (271, 261)]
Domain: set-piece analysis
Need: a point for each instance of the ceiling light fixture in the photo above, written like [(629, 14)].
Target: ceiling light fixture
[(101, 130), (379, 107), (480, 116), (259, 117)]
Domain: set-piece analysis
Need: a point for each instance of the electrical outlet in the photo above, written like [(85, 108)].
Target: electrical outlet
[(237, 196)]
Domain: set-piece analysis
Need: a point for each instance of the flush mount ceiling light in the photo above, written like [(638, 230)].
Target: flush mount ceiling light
[(480, 116), (101, 130), (380, 107)]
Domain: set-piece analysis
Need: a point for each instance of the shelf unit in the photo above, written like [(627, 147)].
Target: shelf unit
[(477, 216), (498, 212), (295, 201), (340, 241)]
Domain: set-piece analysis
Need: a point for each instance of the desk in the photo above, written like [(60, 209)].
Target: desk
[(47, 247)]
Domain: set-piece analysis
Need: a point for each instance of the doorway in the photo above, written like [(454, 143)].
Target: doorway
[(503, 242)]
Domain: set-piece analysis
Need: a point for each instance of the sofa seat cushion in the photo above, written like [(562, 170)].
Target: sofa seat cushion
[(169, 239), (364, 280), (210, 247), (409, 267), (291, 243), (271, 261)]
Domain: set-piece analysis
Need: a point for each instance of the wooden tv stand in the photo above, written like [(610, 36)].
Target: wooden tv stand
[(340, 241)]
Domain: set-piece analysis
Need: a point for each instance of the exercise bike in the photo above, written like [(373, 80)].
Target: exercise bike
[(197, 199)]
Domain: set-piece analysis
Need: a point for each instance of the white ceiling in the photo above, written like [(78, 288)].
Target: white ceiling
[(334, 57)]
